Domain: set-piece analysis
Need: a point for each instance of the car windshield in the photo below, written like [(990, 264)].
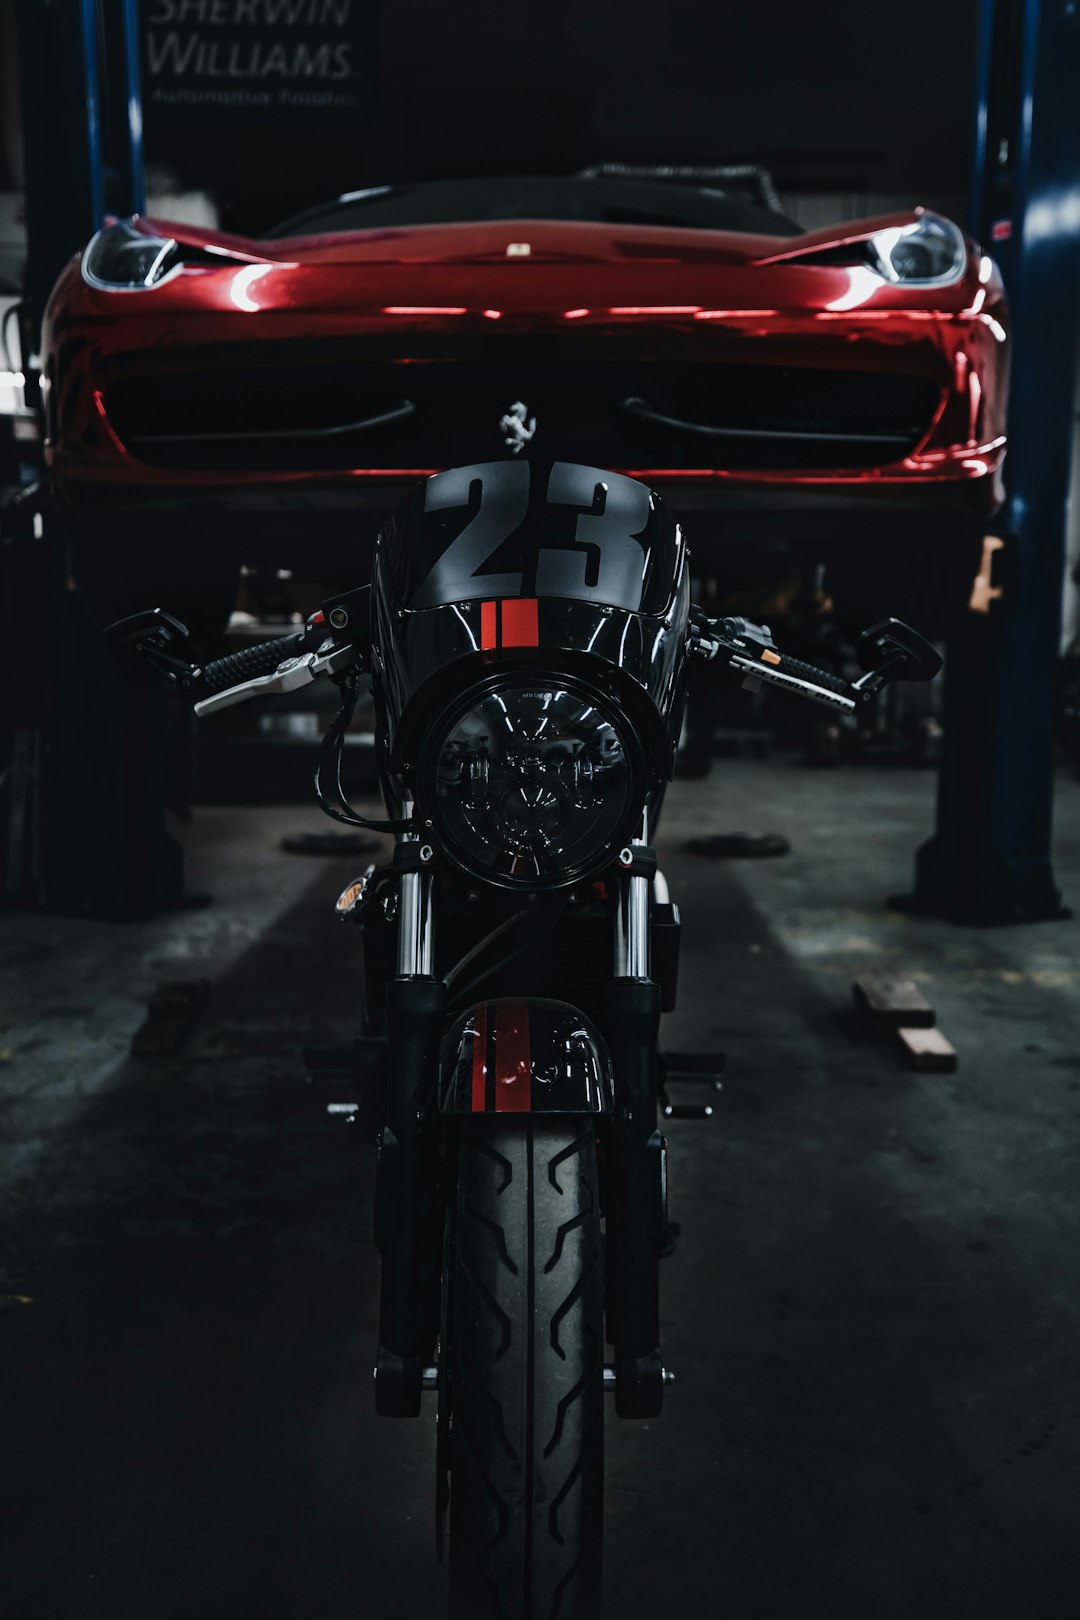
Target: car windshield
[(607, 200)]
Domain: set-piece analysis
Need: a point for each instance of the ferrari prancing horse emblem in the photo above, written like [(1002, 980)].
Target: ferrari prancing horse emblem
[(517, 427)]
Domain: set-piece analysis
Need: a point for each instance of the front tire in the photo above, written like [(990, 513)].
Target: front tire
[(526, 1358)]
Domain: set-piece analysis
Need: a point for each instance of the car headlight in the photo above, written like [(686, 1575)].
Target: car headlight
[(533, 785), (931, 251), (120, 257)]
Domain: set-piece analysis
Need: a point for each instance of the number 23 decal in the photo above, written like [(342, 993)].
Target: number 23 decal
[(602, 559)]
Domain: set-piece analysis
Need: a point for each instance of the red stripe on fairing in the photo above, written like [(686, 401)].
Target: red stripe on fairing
[(519, 622), (513, 1060), (479, 1064), (488, 625)]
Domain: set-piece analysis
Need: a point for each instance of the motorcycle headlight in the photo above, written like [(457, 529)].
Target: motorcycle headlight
[(533, 785), (930, 251), (122, 258)]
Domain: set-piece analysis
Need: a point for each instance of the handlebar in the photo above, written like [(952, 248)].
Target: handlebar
[(334, 641), (262, 658), (742, 647), (801, 680), (749, 650), (331, 642), (812, 676), (269, 667), (887, 651)]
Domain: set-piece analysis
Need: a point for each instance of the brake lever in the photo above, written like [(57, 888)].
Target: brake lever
[(290, 675)]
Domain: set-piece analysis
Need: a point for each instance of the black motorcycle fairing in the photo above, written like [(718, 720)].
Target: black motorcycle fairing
[(524, 1055), (570, 569), (532, 529), (424, 660)]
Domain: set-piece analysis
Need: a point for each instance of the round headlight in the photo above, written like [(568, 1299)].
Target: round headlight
[(533, 785)]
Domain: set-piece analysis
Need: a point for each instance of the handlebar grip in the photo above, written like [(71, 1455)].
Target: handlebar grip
[(816, 677), (261, 659)]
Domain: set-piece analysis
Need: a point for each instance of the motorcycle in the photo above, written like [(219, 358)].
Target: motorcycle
[(528, 635)]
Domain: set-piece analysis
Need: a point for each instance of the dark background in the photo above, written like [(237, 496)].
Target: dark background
[(839, 98)]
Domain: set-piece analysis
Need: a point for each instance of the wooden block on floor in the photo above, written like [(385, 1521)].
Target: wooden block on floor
[(928, 1051), (893, 1001)]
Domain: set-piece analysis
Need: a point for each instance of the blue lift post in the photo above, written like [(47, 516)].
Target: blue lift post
[(82, 130), (121, 112), (58, 68), (989, 859), (86, 830)]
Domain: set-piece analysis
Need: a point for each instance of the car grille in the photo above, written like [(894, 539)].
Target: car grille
[(365, 411)]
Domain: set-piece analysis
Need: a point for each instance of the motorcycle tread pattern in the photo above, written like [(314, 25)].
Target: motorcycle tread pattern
[(526, 1486)]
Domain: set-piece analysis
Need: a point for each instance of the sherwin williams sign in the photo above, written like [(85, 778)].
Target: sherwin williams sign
[(280, 56)]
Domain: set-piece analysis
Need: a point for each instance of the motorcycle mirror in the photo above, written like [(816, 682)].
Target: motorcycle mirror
[(894, 646), (160, 630), (159, 637)]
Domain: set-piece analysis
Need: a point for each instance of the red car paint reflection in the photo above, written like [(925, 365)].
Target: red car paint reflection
[(707, 360)]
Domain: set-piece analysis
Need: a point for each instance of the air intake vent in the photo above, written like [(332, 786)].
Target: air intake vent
[(357, 412)]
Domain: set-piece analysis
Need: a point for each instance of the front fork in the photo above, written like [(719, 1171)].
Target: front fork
[(405, 1228), (405, 1187), (635, 1227)]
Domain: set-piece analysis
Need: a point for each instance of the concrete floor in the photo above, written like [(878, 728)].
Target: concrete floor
[(872, 1313)]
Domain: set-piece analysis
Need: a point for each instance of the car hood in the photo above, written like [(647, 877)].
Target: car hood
[(524, 241)]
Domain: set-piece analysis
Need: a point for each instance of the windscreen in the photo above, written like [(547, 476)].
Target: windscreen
[(555, 197), (533, 529)]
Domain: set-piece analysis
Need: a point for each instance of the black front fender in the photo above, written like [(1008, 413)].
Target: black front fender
[(519, 1055)]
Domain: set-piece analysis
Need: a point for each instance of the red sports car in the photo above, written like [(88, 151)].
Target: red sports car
[(843, 386)]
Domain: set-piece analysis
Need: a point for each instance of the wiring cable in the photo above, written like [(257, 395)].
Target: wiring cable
[(331, 755)]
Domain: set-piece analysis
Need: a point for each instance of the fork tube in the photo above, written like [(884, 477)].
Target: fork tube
[(636, 1233), (632, 920), (406, 1216), (416, 923), (416, 932)]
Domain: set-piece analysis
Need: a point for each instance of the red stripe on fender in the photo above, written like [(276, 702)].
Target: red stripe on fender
[(488, 625), (513, 1060), (519, 622), (479, 1061)]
